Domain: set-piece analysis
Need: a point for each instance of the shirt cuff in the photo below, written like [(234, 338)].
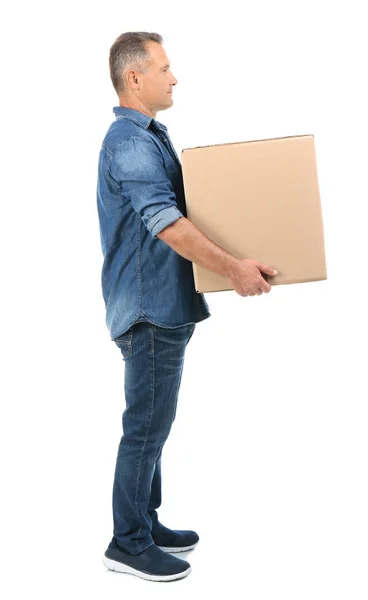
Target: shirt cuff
[(162, 219)]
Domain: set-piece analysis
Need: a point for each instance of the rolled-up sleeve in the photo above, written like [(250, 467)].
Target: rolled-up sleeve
[(138, 168)]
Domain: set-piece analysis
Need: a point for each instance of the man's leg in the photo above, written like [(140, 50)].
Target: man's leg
[(153, 359), (156, 495)]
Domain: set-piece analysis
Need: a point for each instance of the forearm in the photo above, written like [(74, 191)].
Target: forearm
[(188, 241)]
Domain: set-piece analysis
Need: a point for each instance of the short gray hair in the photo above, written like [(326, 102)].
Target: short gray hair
[(129, 52)]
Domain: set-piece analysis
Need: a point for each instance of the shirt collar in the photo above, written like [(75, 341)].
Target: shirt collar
[(138, 117)]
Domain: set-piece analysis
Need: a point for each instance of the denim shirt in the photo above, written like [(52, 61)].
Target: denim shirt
[(140, 191)]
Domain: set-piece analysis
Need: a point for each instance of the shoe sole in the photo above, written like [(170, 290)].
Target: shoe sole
[(114, 565), (175, 549)]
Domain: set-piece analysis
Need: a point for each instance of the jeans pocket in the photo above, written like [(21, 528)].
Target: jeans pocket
[(125, 342)]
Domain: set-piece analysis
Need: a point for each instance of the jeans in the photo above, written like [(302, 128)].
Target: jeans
[(154, 359)]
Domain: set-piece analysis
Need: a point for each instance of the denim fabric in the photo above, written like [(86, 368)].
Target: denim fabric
[(140, 191), (154, 359)]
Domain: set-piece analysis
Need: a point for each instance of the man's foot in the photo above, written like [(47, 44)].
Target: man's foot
[(153, 563), (175, 540)]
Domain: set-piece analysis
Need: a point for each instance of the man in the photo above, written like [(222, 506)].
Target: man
[(152, 306)]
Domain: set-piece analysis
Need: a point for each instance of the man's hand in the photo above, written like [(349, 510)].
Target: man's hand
[(246, 278)]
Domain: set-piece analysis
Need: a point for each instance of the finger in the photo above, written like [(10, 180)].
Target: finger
[(266, 268), (264, 286)]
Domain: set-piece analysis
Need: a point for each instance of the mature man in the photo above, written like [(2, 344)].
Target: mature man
[(152, 306)]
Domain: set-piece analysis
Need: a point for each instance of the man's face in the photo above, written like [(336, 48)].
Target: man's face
[(156, 84)]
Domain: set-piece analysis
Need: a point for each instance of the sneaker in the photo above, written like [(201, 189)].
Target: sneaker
[(152, 564), (175, 540)]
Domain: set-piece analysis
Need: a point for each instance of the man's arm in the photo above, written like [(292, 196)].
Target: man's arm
[(188, 241), (138, 168)]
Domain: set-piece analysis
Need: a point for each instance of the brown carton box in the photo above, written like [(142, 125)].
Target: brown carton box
[(258, 199)]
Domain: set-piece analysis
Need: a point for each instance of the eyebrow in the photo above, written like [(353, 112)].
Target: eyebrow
[(164, 67)]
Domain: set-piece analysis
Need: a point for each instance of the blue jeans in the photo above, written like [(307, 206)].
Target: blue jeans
[(154, 359)]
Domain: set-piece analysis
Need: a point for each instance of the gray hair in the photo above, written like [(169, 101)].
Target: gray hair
[(129, 52)]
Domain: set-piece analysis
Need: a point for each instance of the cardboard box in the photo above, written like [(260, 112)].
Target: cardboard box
[(258, 199)]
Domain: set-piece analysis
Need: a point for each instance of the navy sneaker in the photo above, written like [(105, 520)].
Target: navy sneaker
[(153, 564), (175, 540)]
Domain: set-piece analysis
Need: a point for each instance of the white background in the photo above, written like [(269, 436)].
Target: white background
[(267, 458)]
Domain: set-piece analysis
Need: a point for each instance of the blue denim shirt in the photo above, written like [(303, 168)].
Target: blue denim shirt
[(140, 191)]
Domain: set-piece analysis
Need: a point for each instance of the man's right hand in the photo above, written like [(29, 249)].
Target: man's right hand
[(246, 277)]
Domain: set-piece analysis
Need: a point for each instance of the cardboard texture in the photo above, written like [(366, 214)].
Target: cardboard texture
[(258, 199)]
